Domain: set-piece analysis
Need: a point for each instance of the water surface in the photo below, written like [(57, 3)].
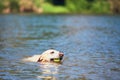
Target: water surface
[(91, 45)]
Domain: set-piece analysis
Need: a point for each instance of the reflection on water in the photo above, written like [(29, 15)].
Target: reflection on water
[(91, 45), (49, 71)]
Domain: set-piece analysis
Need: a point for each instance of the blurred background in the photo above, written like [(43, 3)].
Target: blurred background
[(60, 6)]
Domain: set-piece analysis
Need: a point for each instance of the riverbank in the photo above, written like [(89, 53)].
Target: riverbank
[(69, 7)]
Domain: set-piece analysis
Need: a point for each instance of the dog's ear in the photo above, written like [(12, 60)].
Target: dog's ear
[(39, 60)]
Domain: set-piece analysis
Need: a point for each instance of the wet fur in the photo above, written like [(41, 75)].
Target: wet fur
[(44, 57)]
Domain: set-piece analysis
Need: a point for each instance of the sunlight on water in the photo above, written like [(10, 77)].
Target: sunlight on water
[(91, 45)]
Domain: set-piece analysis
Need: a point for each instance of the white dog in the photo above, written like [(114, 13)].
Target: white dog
[(47, 56)]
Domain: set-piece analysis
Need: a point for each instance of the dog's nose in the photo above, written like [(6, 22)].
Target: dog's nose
[(61, 54)]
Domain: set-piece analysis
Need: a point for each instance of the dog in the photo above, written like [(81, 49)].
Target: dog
[(50, 55)]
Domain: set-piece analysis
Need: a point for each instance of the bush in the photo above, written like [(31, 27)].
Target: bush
[(49, 8), (100, 7), (37, 3), (77, 6), (14, 6), (1, 6), (88, 6)]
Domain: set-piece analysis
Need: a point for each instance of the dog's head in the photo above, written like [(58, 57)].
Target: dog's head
[(51, 56)]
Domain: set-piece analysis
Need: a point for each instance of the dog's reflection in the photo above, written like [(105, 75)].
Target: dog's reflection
[(49, 71)]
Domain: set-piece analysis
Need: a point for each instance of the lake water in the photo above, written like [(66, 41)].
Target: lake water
[(90, 43)]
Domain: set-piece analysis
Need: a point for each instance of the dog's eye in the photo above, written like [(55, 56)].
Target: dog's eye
[(52, 52)]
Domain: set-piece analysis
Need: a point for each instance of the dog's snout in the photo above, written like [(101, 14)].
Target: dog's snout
[(61, 54)]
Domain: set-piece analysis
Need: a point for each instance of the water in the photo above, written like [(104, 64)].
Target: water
[(91, 45)]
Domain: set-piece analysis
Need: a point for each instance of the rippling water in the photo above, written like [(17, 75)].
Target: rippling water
[(91, 45)]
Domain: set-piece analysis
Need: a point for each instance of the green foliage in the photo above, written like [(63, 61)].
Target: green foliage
[(37, 3), (14, 5), (88, 6), (1, 6), (100, 7), (72, 6), (49, 8), (77, 5)]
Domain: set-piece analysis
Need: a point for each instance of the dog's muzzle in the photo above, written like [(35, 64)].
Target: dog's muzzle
[(57, 59)]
